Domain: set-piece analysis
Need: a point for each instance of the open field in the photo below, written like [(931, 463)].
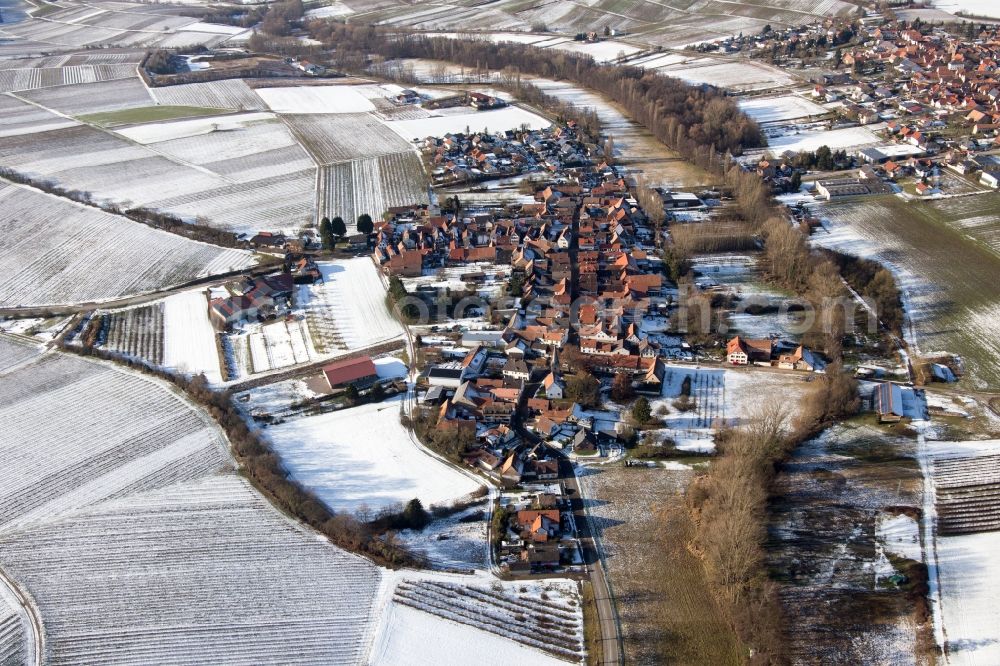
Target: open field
[(843, 524), (136, 332), (372, 186), (776, 109), (227, 94), (56, 251), (189, 337), (364, 456), (19, 117), (347, 310), (947, 275), (13, 80), (494, 120), (15, 351), (315, 99), (850, 137), (146, 114), (667, 613), (347, 136), (92, 98)]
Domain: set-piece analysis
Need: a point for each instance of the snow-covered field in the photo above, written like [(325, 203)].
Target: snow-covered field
[(735, 75), (56, 251), (189, 343), (315, 99), (848, 137), (988, 8), (495, 120), (227, 94), (15, 351), (786, 107), (347, 310), (364, 456), (969, 570)]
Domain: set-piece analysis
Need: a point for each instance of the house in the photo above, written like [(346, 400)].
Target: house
[(801, 359), (448, 376), (357, 372), (744, 351), (357, 242), (553, 386)]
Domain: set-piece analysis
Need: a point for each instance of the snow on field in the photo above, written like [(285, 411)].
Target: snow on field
[(15, 351), (189, 344), (332, 10), (604, 51), (495, 120), (900, 535), (121, 516), (372, 185), (92, 97), (16, 643), (181, 129), (348, 310), (786, 107), (346, 136), (227, 94), (57, 251), (364, 456), (279, 344), (315, 99), (735, 74), (455, 542), (987, 8), (968, 569), (474, 623), (848, 137), (18, 117)]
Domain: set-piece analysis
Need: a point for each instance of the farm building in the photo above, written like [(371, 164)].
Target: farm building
[(744, 351), (849, 187), (357, 372), (887, 399)]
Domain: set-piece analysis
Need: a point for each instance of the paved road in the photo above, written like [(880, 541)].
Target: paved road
[(607, 614)]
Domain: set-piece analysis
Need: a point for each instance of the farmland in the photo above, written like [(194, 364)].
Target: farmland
[(951, 303), (371, 185), (227, 94), (13, 80), (347, 309), (14, 351), (776, 109), (343, 137), (92, 98), (136, 332), (188, 337), (61, 252), (146, 114), (363, 456)]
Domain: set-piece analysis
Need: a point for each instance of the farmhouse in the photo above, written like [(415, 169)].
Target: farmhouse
[(744, 351), (356, 372)]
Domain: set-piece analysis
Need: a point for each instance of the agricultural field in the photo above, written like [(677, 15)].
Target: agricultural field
[(348, 136), (844, 525), (525, 622), (777, 109), (136, 332), (363, 457), (372, 186), (810, 140), (315, 99), (189, 339), (227, 94), (639, 516), (146, 114), (278, 345), (15, 351), (510, 117), (17, 117), (740, 76), (947, 275), (56, 251), (14, 80), (977, 8), (347, 310), (90, 98)]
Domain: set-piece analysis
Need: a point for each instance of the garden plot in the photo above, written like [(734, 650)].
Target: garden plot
[(279, 345), (92, 97), (56, 251), (315, 99), (549, 624), (693, 429), (838, 139), (456, 542), (227, 94), (18, 117), (189, 339), (776, 109), (364, 457), (136, 332), (347, 310), (343, 137), (510, 117), (372, 186)]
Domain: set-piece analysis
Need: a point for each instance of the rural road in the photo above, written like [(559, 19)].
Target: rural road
[(611, 640), (35, 646)]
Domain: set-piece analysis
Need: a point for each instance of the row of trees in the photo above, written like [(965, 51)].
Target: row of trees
[(701, 123), (730, 508)]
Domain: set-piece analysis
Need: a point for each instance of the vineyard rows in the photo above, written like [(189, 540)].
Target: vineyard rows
[(137, 332), (228, 94), (548, 627), (44, 77), (13, 630), (93, 97), (122, 516), (967, 494), (372, 185), (345, 136), (14, 351), (19, 117), (55, 251)]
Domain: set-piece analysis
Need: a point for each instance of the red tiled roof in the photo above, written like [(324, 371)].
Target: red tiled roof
[(350, 370)]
